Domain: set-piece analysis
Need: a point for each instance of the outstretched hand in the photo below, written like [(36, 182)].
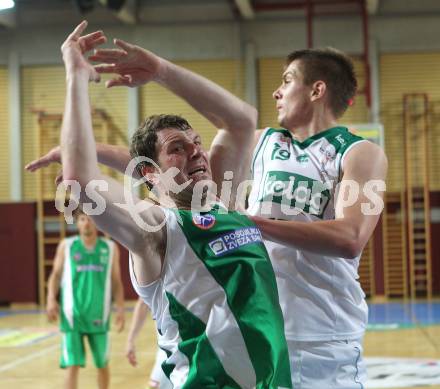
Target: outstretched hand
[(53, 156), (74, 48), (133, 65)]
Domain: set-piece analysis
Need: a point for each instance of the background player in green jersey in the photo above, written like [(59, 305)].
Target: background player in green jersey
[(86, 272)]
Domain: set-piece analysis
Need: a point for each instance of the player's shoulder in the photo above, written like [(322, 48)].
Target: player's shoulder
[(63, 242), (366, 152), (369, 148), (262, 132)]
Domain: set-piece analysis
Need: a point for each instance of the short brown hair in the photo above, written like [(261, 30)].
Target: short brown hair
[(334, 68), (143, 141)]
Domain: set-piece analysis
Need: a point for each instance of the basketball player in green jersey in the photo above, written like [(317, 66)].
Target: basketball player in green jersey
[(87, 274), (206, 275)]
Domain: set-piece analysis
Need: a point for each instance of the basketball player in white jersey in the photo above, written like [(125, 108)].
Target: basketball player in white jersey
[(315, 234)]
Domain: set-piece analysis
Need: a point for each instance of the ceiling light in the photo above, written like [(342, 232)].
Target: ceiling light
[(6, 4)]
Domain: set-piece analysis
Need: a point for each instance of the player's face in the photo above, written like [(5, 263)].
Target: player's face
[(183, 150), (293, 98), (85, 225)]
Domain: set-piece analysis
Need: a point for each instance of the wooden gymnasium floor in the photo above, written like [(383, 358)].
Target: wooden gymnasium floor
[(402, 346)]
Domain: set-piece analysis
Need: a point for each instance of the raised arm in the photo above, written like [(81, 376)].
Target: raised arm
[(365, 167), (115, 157), (80, 164), (232, 146)]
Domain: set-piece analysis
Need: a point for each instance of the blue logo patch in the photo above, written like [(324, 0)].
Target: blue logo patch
[(234, 240), (204, 222)]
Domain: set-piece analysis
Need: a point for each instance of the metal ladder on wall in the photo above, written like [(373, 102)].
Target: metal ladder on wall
[(394, 245), (418, 223)]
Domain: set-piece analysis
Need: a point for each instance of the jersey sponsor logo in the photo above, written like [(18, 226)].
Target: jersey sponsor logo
[(340, 139), (280, 152), (204, 222), (295, 192), (303, 158), (84, 268), (329, 153), (233, 240)]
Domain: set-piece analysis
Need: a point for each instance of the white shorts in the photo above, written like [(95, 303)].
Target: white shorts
[(329, 365)]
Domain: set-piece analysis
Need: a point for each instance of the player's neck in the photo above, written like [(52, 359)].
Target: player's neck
[(316, 125), (89, 241), (189, 200)]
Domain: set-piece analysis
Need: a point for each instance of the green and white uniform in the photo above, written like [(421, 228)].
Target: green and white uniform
[(325, 313), (320, 296), (85, 299), (216, 304)]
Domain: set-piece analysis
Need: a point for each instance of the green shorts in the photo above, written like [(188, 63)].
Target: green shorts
[(73, 351)]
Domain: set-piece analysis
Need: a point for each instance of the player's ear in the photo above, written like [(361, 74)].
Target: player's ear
[(318, 90), (150, 173)]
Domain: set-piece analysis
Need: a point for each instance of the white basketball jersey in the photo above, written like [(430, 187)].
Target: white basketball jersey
[(320, 296)]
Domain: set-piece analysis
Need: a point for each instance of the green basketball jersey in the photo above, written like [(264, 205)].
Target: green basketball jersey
[(86, 286), (216, 304)]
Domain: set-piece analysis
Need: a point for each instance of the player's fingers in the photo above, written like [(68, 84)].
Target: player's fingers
[(131, 356), (35, 165), (93, 36), (103, 68), (59, 178), (103, 60), (118, 81), (121, 323), (123, 45), (78, 30), (108, 55), (91, 44)]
